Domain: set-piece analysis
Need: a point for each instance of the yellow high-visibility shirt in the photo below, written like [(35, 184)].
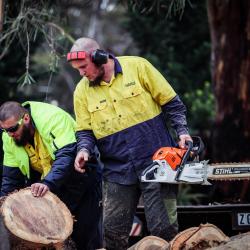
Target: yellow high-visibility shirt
[(130, 98), (39, 157)]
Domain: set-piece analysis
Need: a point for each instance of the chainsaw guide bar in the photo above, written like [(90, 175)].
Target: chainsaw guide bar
[(229, 171)]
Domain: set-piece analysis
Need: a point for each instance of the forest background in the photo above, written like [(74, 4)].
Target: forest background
[(201, 47)]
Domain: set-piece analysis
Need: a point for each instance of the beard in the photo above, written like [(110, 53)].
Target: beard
[(25, 137), (98, 79)]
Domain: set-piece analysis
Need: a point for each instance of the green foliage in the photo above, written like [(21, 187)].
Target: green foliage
[(180, 49), (201, 102), (187, 197), (26, 78), (29, 23), (170, 7), (24, 26)]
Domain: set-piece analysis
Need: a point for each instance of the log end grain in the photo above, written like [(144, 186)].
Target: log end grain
[(44, 220)]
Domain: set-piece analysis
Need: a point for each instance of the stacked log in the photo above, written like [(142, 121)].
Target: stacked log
[(204, 237), (46, 223)]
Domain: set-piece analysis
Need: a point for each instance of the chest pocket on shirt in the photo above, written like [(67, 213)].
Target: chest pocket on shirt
[(132, 91), (96, 106), (133, 100), (99, 113)]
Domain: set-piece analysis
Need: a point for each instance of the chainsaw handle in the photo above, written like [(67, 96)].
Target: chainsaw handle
[(198, 146), (145, 171), (187, 154), (184, 159)]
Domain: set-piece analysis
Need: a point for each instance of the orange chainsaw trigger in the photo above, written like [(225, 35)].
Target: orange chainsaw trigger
[(173, 156)]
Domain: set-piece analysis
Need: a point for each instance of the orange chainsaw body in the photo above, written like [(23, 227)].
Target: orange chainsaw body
[(173, 156)]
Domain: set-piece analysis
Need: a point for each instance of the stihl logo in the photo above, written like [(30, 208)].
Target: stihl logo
[(221, 171)]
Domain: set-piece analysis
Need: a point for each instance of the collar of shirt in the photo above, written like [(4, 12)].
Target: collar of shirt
[(118, 67), (117, 70)]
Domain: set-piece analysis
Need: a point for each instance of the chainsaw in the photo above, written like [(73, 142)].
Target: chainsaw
[(175, 165)]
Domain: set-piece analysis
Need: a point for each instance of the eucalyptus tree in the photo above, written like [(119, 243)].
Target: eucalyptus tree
[(179, 45), (230, 65), (229, 26)]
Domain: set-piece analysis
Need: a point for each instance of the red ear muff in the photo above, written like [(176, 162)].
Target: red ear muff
[(76, 55), (98, 56)]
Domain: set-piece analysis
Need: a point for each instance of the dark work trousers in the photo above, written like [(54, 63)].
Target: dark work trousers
[(120, 202), (87, 231)]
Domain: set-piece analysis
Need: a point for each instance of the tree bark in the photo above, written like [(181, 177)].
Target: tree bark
[(1, 14), (230, 65)]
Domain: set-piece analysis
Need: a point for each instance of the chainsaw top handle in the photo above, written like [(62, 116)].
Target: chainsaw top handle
[(198, 146), (184, 159), (187, 154)]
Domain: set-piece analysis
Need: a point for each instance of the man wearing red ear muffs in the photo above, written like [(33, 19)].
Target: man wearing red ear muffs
[(120, 104)]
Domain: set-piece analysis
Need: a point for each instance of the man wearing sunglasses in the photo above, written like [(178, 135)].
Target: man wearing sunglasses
[(14, 128), (39, 151)]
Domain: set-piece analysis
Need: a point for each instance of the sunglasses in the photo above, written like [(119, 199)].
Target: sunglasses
[(13, 128)]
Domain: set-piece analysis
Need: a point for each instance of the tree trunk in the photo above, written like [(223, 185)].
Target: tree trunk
[(230, 34), (36, 223), (1, 14)]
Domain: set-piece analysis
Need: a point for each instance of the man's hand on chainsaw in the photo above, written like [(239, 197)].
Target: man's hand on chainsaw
[(80, 160), (183, 139)]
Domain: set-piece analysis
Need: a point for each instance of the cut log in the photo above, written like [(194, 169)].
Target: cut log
[(150, 243), (202, 237), (240, 241), (181, 238), (37, 221)]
